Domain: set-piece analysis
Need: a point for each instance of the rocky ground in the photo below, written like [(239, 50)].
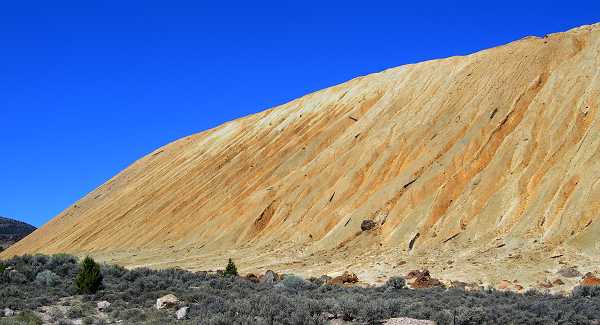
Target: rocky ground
[(541, 267)]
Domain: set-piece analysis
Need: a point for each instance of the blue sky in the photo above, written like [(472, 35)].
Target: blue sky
[(88, 87)]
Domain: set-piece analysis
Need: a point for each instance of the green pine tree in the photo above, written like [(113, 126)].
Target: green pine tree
[(89, 278), (231, 269)]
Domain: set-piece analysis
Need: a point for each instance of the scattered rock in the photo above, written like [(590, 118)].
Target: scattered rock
[(417, 273), (458, 285), (270, 277), (423, 279), (590, 280), (8, 312), (325, 278), (569, 272), (102, 305), (407, 321), (345, 278), (168, 301), (504, 285), (182, 313), (546, 285), (426, 282), (519, 287), (367, 225), (558, 282), (327, 316), (252, 278)]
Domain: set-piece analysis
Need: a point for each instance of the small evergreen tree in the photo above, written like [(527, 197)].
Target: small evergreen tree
[(231, 269), (89, 278)]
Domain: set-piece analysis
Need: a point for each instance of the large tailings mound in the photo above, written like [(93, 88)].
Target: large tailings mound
[(472, 165)]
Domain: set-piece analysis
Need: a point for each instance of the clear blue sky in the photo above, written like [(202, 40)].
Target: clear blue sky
[(88, 87)]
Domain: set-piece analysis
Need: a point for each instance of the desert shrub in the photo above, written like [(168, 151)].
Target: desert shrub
[(586, 291), (89, 279), (29, 318), (75, 312), (16, 277), (231, 269), (2, 268), (87, 320), (395, 283), (215, 299), (63, 265), (47, 278), (296, 283)]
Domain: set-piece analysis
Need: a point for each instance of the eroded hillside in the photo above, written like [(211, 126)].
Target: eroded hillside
[(479, 167)]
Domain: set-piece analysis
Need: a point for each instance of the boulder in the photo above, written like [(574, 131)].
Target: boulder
[(417, 273), (407, 321), (426, 282), (252, 278), (325, 278), (504, 284), (168, 301), (346, 277), (558, 282), (367, 225), (102, 305), (7, 312), (270, 277), (459, 285), (327, 316), (182, 313), (590, 280), (422, 279), (569, 272)]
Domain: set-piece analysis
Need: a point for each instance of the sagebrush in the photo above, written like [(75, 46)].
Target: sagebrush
[(216, 299)]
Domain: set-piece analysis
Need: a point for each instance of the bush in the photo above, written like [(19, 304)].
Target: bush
[(231, 269), (586, 291), (47, 278), (215, 299), (16, 277), (75, 312), (294, 282), (395, 283), (28, 318), (89, 279)]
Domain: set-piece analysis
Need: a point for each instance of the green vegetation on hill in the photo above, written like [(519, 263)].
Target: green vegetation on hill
[(11, 231)]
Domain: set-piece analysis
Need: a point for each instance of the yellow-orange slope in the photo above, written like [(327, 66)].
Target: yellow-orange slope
[(485, 163)]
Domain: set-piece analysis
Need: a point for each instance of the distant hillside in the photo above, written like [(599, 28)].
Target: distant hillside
[(11, 231)]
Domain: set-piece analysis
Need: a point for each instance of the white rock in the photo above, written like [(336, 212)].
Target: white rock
[(167, 301), (102, 305), (8, 312), (182, 313), (407, 321)]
